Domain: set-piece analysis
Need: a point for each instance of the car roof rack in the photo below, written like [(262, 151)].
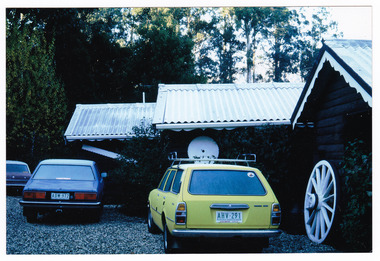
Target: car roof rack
[(242, 158)]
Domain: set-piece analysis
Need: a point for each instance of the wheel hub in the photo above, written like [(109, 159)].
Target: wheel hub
[(312, 202)]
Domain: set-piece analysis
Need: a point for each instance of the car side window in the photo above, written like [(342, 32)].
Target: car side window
[(97, 171), (162, 183), (170, 180), (177, 181)]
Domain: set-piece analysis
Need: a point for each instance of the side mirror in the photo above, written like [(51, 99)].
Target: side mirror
[(103, 175)]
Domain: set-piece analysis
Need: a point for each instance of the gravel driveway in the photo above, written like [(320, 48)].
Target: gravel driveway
[(114, 234)]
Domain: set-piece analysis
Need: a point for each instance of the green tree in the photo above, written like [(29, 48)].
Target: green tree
[(283, 38), (161, 53), (312, 30), (252, 21), (226, 46), (200, 24), (35, 98)]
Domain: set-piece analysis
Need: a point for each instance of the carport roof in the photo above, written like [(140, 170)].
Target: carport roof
[(97, 122), (224, 106)]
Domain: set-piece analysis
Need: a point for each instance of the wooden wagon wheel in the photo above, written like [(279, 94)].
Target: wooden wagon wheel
[(320, 201)]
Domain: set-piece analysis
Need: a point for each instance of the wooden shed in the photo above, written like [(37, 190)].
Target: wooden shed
[(335, 107)]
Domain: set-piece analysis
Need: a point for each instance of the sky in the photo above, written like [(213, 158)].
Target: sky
[(354, 22)]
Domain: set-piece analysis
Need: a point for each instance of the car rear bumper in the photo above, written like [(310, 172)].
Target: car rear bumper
[(252, 233), (60, 204), (15, 184)]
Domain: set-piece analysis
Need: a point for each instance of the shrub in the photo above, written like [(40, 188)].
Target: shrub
[(141, 166), (356, 225)]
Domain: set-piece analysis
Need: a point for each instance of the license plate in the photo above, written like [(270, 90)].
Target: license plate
[(60, 196), (229, 217)]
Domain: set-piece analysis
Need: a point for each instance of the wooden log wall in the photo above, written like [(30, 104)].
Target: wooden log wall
[(338, 111)]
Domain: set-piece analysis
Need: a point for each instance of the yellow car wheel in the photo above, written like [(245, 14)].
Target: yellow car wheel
[(168, 240), (152, 227)]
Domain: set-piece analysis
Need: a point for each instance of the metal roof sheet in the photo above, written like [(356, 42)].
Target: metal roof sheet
[(357, 54), (108, 121), (352, 59), (193, 106)]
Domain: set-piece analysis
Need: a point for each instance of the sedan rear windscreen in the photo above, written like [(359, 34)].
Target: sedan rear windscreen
[(225, 182), (17, 168), (64, 172)]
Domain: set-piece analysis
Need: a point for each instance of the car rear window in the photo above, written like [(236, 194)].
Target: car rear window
[(170, 180), (177, 181), (225, 182), (17, 168), (64, 172), (163, 180)]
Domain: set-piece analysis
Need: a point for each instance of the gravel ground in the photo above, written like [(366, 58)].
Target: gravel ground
[(114, 234)]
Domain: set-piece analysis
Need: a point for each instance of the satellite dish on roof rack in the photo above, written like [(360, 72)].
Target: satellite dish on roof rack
[(203, 147)]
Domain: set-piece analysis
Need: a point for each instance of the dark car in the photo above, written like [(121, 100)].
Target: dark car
[(64, 185), (18, 174)]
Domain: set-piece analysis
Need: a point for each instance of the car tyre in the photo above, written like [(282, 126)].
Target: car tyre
[(31, 215), (152, 227), (168, 240)]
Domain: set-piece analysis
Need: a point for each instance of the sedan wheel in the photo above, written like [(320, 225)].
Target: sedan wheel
[(320, 201)]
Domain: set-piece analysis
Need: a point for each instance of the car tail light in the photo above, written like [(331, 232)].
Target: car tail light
[(34, 195), (85, 196), (180, 214), (276, 214)]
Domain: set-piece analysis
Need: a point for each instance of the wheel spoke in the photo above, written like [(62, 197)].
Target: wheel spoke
[(325, 205), (328, 190), (323, 174), (318, 225), (318, 179), (315, 185), (322, 224), (314, 223), (311, 218), (326, 217), (326, 180), (328, 198)]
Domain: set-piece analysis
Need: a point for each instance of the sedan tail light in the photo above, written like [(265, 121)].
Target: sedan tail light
[(85, 196), (180, 214), (34, 195), (276, 214)]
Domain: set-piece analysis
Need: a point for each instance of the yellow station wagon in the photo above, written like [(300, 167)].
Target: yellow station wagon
[(213, 200)]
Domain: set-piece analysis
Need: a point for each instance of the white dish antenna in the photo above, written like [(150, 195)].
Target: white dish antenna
[(203, 147)]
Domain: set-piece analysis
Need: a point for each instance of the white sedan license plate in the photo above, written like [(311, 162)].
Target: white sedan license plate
[(229, 217), (60, 196)]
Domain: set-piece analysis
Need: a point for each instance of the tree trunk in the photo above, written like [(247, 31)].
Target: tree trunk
[(249, 56)]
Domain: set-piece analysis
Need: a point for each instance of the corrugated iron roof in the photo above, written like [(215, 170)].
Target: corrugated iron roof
[(193, 106), (357, 54), (108, 121), (352, 59)]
